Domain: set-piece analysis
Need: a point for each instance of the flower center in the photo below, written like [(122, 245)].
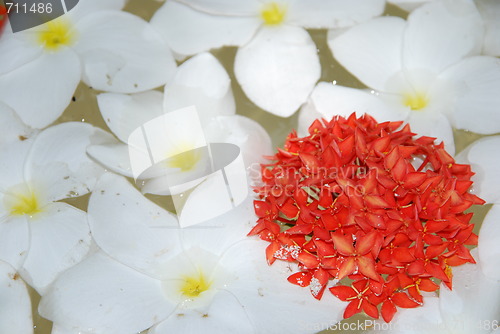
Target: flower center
[(415, 101), (56, 33), (194, 285), (20, 200), (185, 160), (273, 13)]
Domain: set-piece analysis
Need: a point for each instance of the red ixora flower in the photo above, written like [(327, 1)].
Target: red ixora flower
[(369, 202)]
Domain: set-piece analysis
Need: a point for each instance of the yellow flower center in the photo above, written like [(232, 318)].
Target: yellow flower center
[(57, 33), (22, 201), (273, 13), (415, 101), (194, 285), (185, 159)]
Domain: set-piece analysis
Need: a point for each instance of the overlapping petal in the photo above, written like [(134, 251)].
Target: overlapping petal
[(40, 90), (188, 31), (318, 14), (488, 246), (440, 34), (476, 81), (278, 69), (15, 305), (118, 299), (490, 11), (122, 53), (143, 236), (484, 163), (371, 50), (60, 238)]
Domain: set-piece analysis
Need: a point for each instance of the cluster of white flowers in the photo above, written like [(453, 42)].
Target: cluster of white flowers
[(122, 264)]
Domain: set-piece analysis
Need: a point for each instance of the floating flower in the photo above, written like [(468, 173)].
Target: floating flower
[(482, 155), (151, 274), (370, 202), (276, 63), (201, 82), (423, 70), (40, 236), (15, 313), (108, 49)]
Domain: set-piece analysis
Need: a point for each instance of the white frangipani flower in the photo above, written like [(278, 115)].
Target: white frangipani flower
[(484, 159), (422, 71), (276, 63), (472, 307), (151, 274), (201, 82), (15, 303), (108, 49), (39, 235)]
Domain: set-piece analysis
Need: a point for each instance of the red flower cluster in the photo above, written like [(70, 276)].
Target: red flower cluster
[(366, 201)]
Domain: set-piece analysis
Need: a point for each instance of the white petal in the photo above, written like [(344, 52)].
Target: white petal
[(224, 315), (60, 238), (125, 113), (122, 53), (14, 240), (225, 7), (278, 69), (431, 123), (488, 246), (203, 82), (11, 127), (319, 14), (86, 7), (490, 11), (53, 182), (481, 155), (248, 135), (15, 304), (476, 82), (473, 300), (218, 234), (16, 50), (371, 51), (101, 295), (40, 90), (328, 100), (130, 228), (441, 33), (188, 31), (113, 156), (12, 161), (67, 143), (408, 5), (269, 298)]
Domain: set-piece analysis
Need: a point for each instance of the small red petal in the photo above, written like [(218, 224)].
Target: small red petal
[(388, 310), (343, 292), (301, 278), (370, 309), (401, 299)]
